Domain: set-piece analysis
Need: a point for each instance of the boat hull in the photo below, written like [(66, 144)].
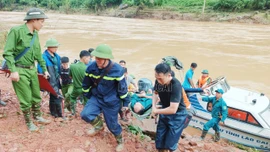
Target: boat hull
[(234, 135)]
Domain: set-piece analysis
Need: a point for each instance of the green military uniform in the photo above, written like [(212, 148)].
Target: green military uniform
[(77, 72), (66, 91), (27, 88)]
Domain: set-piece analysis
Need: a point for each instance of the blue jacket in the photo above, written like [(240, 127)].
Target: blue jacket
[(112, 88), (54, 78), (219, 107)]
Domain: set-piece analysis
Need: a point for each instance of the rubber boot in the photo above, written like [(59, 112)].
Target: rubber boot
[(73, 108), (37, 115), (28, 121), (58, 108), (97, 124), (217, 136), (204, 132), (52, 109), (120, 143)]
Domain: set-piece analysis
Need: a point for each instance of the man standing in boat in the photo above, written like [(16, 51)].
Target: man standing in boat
[(188, 82), (204, 80), (173, 113), (219, 114)]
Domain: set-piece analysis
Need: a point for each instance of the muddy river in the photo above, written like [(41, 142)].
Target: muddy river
[(241, 52)]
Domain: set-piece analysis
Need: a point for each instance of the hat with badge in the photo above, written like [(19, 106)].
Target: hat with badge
[(35, 13)]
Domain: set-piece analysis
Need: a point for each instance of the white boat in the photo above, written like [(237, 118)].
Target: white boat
[(248, 120)]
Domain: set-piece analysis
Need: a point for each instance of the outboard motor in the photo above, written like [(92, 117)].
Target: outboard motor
[(145, 84)]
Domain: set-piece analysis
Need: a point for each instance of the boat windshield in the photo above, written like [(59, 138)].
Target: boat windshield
[(265, 115), (222, 84), (226, 84)]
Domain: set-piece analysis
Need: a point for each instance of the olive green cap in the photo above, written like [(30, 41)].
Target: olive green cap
[(35, 13), (51, 43), (133, 77), (205, 72), (103, 51)]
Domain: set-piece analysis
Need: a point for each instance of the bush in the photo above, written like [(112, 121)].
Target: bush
[(231, 5), (189, 5), (261, 4), (239, 5), (6, 3)]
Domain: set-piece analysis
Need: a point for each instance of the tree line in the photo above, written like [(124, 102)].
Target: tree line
[(217, 5)]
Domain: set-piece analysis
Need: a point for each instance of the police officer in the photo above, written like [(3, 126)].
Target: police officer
[(219, 114), (23, 71), (105, 85)]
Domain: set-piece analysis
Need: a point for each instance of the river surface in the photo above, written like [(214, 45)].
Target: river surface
[(241, 52)]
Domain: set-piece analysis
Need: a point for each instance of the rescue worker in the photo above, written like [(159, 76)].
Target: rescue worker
[(188, 82), (67, 86), (130, 80), (122, 63), (173, 113), (105, 86), (219, 114), (204, 80), (90, 50), (77, 72), (23, 71), (53, 65)]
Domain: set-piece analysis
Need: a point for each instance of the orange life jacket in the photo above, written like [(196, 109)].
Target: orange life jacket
[(202, 81), (186, 101)]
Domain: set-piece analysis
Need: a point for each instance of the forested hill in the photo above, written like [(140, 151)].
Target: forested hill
[(189, 6)]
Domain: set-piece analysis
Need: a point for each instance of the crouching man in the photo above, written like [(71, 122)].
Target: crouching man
[(219, 114)]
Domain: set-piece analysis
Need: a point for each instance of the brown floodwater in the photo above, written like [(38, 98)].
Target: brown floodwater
[(241, 52)]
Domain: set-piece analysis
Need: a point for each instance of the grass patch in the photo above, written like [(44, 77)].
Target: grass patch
[(242, 147), (136, 131)]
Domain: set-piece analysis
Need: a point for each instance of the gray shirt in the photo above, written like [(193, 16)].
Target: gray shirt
[(130, 80)]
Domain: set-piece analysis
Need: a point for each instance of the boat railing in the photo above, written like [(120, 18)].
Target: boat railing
[(218, 83)]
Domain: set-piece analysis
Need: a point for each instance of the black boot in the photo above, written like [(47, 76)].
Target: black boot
[(52, 107), (58, 109), (204, 132), (217, 136)]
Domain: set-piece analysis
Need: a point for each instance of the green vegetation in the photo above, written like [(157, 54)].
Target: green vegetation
[(178, 5), (247, 149), (136, 131)]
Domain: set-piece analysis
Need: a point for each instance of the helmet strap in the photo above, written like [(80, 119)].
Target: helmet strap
[(104, 63)]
